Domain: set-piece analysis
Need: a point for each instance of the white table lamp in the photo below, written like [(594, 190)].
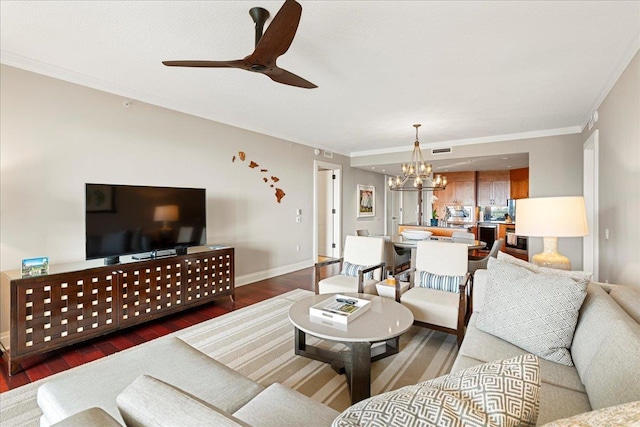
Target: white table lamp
[(550, 218)]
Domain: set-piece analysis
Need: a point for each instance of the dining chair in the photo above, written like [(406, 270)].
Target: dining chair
[(361, 267), (438, 293), (477, 263), (396, 258)]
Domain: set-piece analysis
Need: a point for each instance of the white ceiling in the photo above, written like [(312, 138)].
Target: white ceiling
[(469, 71)]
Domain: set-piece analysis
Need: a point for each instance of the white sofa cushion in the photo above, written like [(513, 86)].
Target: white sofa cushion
[(503, 393), (148, 402), (278, 406), (87, 386), (627, 414), (535, 311), (613, 376), (94, 417)]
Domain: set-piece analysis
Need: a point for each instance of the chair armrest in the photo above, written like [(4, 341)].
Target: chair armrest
[(328, 262), (362, 272), (462, 307), (317, 267)]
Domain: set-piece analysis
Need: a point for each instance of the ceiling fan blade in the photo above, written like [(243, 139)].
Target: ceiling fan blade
[(283, 76), (239, 63), (279, 34)]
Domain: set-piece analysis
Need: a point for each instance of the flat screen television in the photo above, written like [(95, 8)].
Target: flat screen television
[(128, 219)]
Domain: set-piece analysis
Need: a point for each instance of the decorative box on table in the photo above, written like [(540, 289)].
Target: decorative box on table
[(340, 308)]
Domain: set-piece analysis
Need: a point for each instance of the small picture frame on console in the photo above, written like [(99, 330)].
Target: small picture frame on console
[(32, 267)]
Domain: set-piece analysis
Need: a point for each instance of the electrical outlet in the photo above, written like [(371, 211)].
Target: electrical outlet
[(297, 248), (298, 218), (606, 234)]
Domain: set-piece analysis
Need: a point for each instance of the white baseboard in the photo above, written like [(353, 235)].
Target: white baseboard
[(272, 272)]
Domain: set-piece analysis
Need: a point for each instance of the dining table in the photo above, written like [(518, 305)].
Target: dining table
[(403, 242)]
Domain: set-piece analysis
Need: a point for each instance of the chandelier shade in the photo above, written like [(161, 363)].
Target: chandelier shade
[(417, 175)]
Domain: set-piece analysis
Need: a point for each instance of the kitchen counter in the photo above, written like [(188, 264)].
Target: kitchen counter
[(437, 231)]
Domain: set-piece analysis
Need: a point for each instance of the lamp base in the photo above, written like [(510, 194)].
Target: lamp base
[(550, 258)]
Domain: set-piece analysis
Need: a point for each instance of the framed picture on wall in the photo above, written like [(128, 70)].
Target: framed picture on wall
[(366, 198)]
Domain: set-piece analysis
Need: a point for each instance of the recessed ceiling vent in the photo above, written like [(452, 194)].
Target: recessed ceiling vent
[(441, 150), (328, 154)]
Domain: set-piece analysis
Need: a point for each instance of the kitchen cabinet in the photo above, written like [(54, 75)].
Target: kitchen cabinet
[(460, 191), (519, 183), (457, 193), (493, 188)]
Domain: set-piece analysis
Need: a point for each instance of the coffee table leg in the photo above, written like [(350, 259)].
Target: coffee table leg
[(300, 341), (359, 371)]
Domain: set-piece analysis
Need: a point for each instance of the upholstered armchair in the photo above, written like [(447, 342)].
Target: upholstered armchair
[(438, 293), (361, 267)]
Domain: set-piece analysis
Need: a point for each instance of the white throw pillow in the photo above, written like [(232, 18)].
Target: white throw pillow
[(501, 393), (148, 401), (535, 311)]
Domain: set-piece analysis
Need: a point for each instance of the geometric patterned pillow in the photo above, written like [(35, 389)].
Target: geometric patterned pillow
[(501, 393), (439, 283), (352, 270), (627, 414), (536, 312)]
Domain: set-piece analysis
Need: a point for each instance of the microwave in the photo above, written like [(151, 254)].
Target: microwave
[(515, 243)]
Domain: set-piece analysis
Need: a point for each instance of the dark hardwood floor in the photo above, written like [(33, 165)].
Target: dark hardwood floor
[(57, 361)]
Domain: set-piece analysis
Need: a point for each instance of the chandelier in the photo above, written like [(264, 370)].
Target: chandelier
[(417, 174)]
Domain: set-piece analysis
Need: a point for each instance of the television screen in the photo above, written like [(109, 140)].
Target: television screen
[(126, 219)]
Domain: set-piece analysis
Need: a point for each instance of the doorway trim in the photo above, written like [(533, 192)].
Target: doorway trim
[(337, 231), (590, 243)]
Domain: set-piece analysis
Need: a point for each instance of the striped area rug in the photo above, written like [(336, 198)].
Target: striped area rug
[(257, 341)]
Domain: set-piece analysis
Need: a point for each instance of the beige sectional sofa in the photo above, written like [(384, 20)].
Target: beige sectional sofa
[(605, 351), (169, 380)]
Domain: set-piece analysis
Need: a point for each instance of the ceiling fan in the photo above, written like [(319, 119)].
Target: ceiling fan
[(269, 46)]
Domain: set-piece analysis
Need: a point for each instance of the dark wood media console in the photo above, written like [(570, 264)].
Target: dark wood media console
[(63, 308)]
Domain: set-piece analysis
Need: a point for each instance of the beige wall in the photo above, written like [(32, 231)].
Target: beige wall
[(619, 179), (555, 169), (56, 136)]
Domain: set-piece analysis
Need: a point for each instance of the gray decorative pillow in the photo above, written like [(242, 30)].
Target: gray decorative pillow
[(349, 269), (438, 282), (502, 393), (535, 311)]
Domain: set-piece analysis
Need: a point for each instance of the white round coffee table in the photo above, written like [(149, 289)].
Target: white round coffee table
[(384, 322)]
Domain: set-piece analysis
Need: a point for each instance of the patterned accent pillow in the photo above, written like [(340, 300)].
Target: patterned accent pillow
[(627, 414), (352, 270), (536, 312), (440, 283), (501, 393)]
